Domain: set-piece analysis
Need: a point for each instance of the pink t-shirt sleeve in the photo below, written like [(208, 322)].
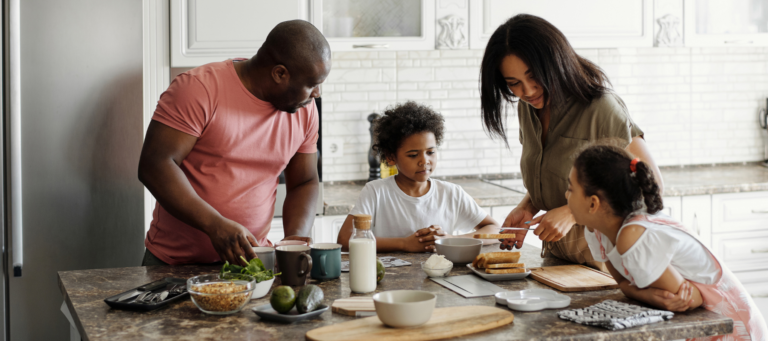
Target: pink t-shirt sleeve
[(185, 106), (310, 137)]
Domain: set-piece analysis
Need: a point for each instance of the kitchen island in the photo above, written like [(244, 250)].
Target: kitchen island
[(85, 290)]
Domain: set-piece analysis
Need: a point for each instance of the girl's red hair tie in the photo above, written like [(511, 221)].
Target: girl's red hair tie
[(633, 165)]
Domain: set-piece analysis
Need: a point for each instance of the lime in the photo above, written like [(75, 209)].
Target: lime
[(379, 271), (282, 299)]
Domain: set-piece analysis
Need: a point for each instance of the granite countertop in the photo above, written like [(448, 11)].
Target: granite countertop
[(678, 181), (84, 291)]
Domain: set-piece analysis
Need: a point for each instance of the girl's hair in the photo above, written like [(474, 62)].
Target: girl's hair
[(401, 121), (552, 61), (604, 170)]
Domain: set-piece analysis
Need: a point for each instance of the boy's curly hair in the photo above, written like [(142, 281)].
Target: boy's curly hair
[(401, 121)]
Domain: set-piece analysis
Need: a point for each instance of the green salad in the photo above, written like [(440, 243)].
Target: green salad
[(254, 268)]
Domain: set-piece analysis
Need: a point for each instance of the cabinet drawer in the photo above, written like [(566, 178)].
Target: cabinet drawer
[(740, 212), (742, 251)]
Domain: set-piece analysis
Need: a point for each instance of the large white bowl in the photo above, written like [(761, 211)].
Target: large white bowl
[(459, 250), (262, 288), (404, 308)]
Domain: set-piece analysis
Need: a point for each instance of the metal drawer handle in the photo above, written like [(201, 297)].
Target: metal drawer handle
[(759, 250), (738, 42), (759, 211), (759, 296), (371, 46)]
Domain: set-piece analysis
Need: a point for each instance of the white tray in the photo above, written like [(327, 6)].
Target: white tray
[(498, 277), (532, 299)]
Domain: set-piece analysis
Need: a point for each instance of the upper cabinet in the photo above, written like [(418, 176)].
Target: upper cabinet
[(204, 31), (724, 23), (586, 24), (359, 25)]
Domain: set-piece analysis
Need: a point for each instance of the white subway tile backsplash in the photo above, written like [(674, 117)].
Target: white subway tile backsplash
[(695, 105)]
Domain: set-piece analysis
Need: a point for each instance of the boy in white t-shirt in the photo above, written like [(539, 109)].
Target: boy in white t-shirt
[(410, 210)]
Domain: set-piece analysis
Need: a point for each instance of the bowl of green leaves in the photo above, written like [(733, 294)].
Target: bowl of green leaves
[(255, 268)]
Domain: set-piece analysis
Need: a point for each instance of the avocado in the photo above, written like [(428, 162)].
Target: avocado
[(309, 298), (379, 271)]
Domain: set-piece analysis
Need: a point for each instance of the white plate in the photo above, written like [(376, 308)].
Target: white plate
[(498, 277), (534, 299), (501, 297)]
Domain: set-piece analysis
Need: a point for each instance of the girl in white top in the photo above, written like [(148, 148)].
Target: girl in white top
[(410, 210), (653, 258)]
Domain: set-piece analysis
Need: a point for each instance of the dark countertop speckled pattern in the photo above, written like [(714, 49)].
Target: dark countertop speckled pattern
[(84, 291), (678, 181)]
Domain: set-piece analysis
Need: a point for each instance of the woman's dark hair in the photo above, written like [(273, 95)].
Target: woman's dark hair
[(552, 61), (401, 121), (604, 170)]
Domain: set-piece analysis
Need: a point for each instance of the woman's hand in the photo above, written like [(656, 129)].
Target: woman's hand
[(554, 224), (666, 300), (517, 218)]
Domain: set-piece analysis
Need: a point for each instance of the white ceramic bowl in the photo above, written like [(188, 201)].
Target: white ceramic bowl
[(431, 272), (530, 300), (262, 288), (404, 308), (459, 250)]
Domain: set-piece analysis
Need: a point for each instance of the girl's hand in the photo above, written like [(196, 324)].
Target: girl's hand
[(553, 225), (666, 300), (516, 218)]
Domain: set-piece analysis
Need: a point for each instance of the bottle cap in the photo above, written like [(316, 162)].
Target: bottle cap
[(361, 221)]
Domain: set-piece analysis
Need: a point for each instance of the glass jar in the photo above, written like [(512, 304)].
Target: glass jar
[(362, 255)]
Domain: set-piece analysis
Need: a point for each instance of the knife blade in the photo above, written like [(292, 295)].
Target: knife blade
[(518, 228), (129, 295)]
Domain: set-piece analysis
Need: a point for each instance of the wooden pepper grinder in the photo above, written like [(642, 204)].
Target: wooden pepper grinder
[(373, 157)]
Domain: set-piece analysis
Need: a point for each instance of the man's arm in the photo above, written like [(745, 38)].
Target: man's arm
[(301, 184), (164, 150)]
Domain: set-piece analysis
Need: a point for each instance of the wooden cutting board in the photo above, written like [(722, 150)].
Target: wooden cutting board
[(573, 278), (350, 306), (445, 323)]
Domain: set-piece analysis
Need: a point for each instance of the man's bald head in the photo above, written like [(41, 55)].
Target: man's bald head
[(295, 44)]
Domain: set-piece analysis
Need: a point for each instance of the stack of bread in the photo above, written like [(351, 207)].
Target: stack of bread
[(499, 262)]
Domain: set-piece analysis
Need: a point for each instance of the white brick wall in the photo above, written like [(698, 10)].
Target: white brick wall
[(696, 105)]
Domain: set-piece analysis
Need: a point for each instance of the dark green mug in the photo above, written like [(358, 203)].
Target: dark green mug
[(326, 258)]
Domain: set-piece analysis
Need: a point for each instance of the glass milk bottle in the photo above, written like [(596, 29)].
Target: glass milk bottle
[(362, 255)]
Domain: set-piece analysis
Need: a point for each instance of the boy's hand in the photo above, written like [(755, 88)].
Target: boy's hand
[(432, 230), (413, 243)]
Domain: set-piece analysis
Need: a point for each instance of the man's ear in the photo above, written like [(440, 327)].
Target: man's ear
[(594, 204), (280, 74)]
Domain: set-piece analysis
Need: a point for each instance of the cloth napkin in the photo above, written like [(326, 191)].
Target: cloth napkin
[(615, 315)]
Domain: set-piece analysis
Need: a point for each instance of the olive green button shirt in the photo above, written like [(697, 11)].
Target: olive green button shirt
[(571, 126)]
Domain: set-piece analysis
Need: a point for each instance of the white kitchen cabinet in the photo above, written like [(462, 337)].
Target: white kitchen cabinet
[(276, 232), (331, 227), (725, 23), (586, 24), (673, 207), (739, 212), (696, 214), (363, 25), (204, 31)]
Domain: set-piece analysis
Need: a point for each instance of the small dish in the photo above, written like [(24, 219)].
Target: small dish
[(501, 297), (404, 308), (436, 272), (529, 300), (498, 277), (268, 314), (262, 288)]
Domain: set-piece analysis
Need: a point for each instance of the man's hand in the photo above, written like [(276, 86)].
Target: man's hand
[(554, 224), (231, 241), (666, 300), (517, 218), (308, 240)]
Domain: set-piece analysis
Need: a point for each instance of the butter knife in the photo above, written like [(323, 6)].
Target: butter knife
[(128, 296)]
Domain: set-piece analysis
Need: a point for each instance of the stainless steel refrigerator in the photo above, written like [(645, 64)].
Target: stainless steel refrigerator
[(72, 134)]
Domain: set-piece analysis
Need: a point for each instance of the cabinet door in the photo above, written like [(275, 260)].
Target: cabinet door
[(204, 31), (673, 207), (586, 24), (276, 232), (331, 227), (725, 23), (740, 212), (363, 25), (697, 216)]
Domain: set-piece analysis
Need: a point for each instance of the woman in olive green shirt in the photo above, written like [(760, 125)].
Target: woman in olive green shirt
[(563, 102)]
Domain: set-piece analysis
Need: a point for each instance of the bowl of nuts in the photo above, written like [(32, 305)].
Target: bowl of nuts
[(221, 294)]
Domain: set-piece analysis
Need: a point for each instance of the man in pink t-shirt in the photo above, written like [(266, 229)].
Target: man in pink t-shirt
[(219, 138)]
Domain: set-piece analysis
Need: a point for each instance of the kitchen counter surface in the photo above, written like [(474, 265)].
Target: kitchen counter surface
[(84, 291), (678, 181)]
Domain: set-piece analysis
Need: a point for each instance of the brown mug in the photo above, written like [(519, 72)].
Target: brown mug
[(291, 260)]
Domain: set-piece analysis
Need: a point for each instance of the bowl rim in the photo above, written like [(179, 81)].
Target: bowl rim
[(433, 269), (477, 242), (377, 296), (218, 279)]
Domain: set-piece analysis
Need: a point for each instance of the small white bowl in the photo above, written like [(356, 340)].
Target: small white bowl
[(404, 308), (535, 299), (262, 288), (436, 272)]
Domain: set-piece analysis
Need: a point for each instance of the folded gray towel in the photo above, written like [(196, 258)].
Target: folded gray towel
[(615, 315)]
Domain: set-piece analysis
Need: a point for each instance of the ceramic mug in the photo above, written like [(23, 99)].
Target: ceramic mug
[(290, 242), (326, 258), (291, 260), (267, 256)]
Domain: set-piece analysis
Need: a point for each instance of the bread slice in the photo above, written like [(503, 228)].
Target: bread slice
[(506, 265), (484, 259), (494, 236), (505, 271)]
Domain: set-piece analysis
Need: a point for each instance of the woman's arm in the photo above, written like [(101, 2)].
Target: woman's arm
[(639, 148)]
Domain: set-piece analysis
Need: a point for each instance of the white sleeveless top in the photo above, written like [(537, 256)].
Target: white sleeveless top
[(658, 247)]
